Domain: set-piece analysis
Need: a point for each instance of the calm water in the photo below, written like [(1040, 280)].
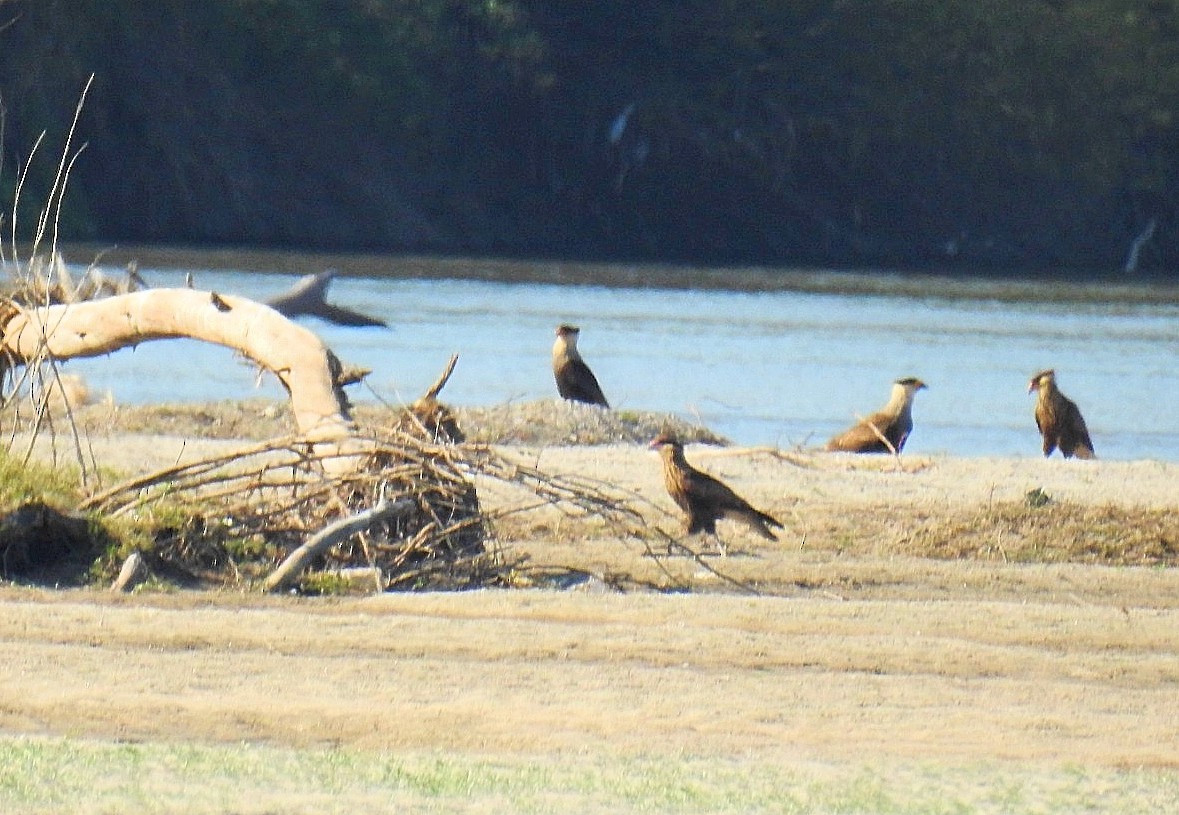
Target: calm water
[(761, 368)]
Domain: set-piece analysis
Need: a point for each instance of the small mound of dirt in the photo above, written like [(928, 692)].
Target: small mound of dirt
[(40, 542), (544, 423)]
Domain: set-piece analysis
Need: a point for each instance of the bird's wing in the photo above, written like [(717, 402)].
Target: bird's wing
[(704, 488), (861, 437), (753, 516), (709, 498), (727, 504), (576, 381), (1076, 424)]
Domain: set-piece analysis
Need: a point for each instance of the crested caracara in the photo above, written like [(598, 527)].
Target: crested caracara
[(574, 378), (1058, 419), (705, 499), (893, 422)]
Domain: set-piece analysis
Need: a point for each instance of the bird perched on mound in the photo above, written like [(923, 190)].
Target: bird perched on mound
[(574, 378), (893, 422), (1059, 419), (705, 499)]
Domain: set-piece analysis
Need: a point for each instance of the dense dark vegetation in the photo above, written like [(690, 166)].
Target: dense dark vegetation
[(1029, 135)]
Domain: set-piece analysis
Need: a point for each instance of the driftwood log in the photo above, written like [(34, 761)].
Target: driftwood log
[(292, 567), (135, 570), (305, 366)]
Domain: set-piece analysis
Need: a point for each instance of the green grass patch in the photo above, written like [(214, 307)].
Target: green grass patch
[(53, 544), (42, 775), (22, 482)]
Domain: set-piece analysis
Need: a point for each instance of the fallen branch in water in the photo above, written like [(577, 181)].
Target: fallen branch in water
[(308, 297)]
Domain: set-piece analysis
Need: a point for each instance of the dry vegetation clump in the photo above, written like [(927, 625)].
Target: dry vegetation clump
[(232, 518), (46, 279), (555, 422), (1052, 532), (248, 419), (545, 422)]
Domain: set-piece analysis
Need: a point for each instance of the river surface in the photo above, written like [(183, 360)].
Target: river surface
[(776, 367)]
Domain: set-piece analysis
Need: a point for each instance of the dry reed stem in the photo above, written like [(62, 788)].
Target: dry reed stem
[(27, 278)]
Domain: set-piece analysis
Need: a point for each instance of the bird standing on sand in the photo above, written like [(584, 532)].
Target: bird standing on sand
[(705, 499), (893, 422), (574, 378), (1059, 420)]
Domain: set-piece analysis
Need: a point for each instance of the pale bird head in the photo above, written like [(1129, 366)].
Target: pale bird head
[(1042, 380), (664, 439), (911, 385), (566, 338)]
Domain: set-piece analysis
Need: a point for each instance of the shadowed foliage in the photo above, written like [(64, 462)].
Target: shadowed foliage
[(1005, 135)]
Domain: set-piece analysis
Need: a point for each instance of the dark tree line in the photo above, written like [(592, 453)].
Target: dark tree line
[(1000, 135)]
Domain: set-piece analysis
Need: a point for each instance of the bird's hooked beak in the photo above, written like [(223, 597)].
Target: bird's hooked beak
[(1039, 378), (660, 441)]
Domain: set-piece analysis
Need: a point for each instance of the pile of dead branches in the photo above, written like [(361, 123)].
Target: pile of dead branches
[(240, 515)]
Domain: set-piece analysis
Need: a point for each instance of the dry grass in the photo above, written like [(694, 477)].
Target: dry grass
[(1060, 532), (715, 703)]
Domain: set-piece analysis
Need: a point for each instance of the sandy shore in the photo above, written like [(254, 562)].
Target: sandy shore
[(779, 479)]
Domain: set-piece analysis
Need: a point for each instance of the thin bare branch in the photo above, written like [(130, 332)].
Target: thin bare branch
[(54, 201)]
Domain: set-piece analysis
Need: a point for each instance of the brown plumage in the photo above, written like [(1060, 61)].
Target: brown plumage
[(894, 422), (705, 499), (574, 378), (1058, 419)]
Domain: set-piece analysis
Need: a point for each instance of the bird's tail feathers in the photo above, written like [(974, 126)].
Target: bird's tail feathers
[(769, 520), (758, 521)]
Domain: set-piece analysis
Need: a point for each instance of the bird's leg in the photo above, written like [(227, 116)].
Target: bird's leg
[(680, 546), (722, 548)]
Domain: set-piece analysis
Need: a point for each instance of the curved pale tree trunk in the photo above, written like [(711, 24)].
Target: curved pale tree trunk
[(306, 367)]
